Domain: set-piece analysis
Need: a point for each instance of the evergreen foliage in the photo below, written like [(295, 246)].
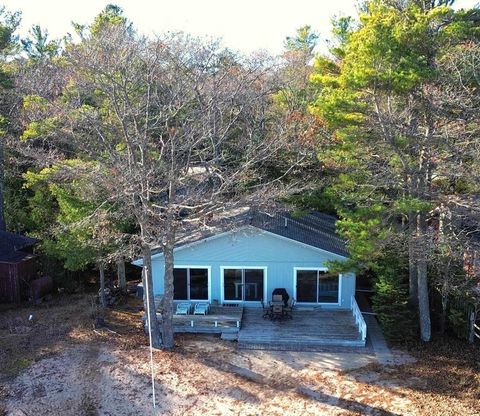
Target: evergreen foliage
[(399, 124), (390, 300)]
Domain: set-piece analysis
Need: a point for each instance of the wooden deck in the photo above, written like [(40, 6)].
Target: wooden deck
[(308, 330), (220, 320)]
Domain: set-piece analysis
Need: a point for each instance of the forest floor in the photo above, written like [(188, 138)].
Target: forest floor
[(57, 364)]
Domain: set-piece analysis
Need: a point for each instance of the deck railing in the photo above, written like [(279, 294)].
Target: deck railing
[(357, 314), (474, 328)]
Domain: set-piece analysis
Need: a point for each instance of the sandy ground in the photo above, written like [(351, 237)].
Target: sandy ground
[(84, 372), (206, 377)]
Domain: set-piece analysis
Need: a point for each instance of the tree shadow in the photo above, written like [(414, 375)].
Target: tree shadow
[(248, 375), (345, 404)]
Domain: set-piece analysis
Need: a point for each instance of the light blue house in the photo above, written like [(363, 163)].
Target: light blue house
[(245, 265)]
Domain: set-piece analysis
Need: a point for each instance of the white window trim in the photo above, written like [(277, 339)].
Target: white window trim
[(209, 272), (222, 288), (320, 269)]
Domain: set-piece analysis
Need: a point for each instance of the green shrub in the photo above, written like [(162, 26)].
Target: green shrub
[(458, 322), (390, 301)]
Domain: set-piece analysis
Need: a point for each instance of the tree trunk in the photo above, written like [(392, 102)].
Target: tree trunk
[(3, 226), (149, 297), (168, 283), (412, 263), (423, 298), (122, 280), (443, 316), (101, 269), (471, 327)]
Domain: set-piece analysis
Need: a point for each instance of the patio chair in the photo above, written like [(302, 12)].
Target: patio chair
[(266, 309), (183, 308), (277, 298), (281, 291), (277, 311), (201, 308), (289, 308)]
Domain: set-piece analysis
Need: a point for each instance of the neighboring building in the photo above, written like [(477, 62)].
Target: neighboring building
[(462, 224), (17, 266), (244, 266)]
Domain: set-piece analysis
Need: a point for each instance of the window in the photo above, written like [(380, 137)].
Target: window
[(190, 284), (317, 286), (243, 284)]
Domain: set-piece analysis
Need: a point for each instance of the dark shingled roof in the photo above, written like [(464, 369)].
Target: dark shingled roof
[(315, 229), (11, 245)]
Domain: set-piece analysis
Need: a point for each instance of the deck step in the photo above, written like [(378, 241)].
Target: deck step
[(229, 336), (319, 345), (298, 338)]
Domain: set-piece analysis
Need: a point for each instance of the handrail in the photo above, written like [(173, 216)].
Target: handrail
[(357, 314), (476, 330)]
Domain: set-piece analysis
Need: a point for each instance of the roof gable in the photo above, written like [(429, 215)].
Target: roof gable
[(316, 230), (248, 245)]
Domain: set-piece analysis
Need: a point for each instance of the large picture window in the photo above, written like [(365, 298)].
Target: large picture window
[(317, 286), (243, 284), (190, 284)]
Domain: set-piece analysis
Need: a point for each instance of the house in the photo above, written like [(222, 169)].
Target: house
[(17, 266), (246, 264), (242, 266)]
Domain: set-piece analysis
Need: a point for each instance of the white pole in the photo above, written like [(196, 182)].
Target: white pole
[(149, 333)]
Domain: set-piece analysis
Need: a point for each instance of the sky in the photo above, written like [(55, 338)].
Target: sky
[(245, 25)]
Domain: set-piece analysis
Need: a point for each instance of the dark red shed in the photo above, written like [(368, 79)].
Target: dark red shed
[(17, 266)]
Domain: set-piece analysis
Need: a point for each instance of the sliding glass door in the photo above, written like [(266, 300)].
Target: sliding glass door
[(317, 286), (243, 284), (307, 285), (190, 284), (233, 284), (253, 285)]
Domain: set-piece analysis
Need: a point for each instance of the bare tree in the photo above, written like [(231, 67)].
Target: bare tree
[(178, 129)]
